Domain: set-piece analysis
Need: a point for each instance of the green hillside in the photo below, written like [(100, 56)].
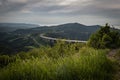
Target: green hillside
[(60, 62), (14, 43)]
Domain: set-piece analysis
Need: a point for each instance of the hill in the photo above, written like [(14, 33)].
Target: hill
[(9, 27), (12, 43), (67, 31), (73, 31)]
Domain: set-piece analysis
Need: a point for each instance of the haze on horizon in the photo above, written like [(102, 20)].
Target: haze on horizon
[(49, 12)]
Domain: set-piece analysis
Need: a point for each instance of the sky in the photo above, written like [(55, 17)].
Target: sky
[(50, 12)]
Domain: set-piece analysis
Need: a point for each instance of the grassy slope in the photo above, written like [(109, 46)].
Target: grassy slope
[(61, 62)]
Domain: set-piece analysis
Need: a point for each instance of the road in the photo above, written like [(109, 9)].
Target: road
[(55, 39)]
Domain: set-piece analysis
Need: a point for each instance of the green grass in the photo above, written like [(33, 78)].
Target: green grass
[(84, 64)]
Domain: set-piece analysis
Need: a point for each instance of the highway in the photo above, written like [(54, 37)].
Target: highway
[(66, 40)]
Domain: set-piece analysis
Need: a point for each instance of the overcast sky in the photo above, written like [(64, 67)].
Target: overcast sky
[(49, 12)]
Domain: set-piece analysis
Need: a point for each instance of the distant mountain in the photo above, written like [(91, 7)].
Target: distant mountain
[(39, 30), (76, 27), (65, 28), (9, 27), (67, 31), (73, 31)]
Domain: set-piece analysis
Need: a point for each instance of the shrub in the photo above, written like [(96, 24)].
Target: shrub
[(87, 64), (105, 38)]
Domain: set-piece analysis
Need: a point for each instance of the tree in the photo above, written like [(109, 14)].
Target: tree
[(106, 41), (94, 40), (105, 38), (104, 30)]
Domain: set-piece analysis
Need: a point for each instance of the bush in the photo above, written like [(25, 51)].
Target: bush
[(87, 64), (60, 49), (105, 38), (5, 60)]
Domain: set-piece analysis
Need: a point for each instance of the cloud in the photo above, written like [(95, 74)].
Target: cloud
[(41, 5), (17, 1), (10, 5), (109, 9)]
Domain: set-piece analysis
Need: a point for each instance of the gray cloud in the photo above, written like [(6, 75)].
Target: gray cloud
[(9, 6), (64, 8)]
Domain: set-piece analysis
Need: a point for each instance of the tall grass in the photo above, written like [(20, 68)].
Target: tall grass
[(86, 64)]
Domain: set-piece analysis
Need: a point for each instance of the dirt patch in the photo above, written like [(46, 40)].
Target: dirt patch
[(112, 55)]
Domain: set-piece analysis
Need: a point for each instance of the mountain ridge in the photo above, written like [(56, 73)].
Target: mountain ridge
[(9, 27)]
